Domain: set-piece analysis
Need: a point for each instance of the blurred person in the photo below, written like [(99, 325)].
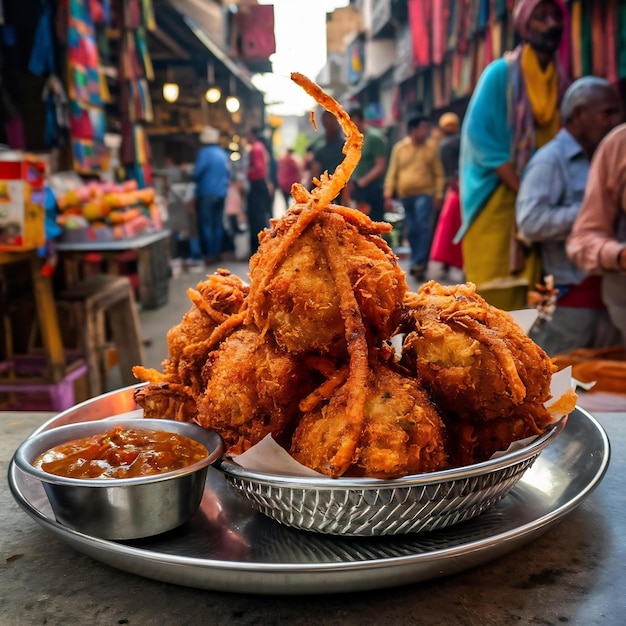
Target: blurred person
[(211, 177), (446, 256), (513, 111), (366, 184), (179, 215), (327, 150), (551, 192), (289, 172), (415, 177), (597, 243), (259, 204), (234, 214)]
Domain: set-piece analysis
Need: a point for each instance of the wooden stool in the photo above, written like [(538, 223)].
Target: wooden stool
[(93, 302), (50, 371)]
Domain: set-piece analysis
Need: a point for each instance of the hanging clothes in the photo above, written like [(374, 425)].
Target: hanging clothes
[(420, 32), (610, 52), (577, 36), (621, 39), (440, 17)]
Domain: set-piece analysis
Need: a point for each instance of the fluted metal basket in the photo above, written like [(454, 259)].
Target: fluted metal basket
[(370, 507)]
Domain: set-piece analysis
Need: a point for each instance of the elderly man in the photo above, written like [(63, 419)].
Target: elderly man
[(548, 202), (598, 240)]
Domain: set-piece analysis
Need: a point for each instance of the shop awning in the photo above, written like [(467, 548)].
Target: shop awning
[(197, 17)]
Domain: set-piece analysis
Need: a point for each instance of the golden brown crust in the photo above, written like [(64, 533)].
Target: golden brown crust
[(401, 433), (304, 353)]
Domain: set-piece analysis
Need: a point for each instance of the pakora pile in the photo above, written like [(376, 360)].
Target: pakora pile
[(304, 353)]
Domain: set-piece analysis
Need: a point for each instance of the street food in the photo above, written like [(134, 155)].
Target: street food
[(402, 432), (249, 390), (216, 308), (305, 353), (308, 283), (489, 378)]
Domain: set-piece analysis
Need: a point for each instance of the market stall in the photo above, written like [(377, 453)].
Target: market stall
[(74, 170)]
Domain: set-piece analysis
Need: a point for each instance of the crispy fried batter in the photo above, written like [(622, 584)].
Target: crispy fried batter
[(402, 432), (300, 303), (217, 309), (304, 353), (476, 359), (250, 390), (478, 364)]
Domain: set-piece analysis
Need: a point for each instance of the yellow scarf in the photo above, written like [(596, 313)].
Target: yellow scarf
[(542, 88)]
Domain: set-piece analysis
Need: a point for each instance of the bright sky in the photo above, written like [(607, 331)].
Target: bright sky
[(300, 30)]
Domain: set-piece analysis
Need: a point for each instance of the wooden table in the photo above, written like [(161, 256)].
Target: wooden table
[(152, 262)]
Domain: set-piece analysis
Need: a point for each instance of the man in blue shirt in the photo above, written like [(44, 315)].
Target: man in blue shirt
[(549, 199), (211, 178)]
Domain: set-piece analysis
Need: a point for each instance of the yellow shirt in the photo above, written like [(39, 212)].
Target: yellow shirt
[(414, 169)]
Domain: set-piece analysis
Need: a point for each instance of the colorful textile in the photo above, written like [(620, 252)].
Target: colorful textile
[(486, 140), (443, 248), (541, 89), (621, 39), (420, 31), (486, 254), (577, 34)]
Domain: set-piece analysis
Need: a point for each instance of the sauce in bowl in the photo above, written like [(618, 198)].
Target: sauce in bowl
[(122, 453)]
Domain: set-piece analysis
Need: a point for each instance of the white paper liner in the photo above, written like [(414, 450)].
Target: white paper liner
[(269, 457)]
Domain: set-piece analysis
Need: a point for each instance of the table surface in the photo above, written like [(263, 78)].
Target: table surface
[(113, 246), (573, 574)]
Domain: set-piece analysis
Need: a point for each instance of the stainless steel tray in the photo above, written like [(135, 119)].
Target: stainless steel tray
[(227, 546)]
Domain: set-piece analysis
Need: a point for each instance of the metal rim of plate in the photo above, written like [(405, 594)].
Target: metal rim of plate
[(228, 546)]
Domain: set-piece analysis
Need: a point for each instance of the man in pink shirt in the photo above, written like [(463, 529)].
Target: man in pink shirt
[(597, 243)]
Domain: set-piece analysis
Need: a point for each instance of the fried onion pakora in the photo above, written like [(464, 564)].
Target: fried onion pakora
[(300, 303), (304, 353), (402, 432), (252, 390), (478, 363), (217, 303)]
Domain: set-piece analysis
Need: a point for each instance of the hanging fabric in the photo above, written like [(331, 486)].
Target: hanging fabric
[(439, 30), (577, 35), (42, 54), (598, 61), (420, 35), (610, 53), (621, 39)]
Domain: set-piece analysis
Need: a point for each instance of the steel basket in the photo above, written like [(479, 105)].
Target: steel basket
[(370, 507)]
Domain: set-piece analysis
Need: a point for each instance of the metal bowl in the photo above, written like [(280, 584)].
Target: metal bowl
[(369, 506), (122, 508)]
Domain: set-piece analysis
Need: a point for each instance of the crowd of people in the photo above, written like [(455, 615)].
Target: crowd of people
[(526, 188), (529, 188)]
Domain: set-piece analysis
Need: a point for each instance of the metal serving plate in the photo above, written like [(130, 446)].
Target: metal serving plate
[(227, 546)]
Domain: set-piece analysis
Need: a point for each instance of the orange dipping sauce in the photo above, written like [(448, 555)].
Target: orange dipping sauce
[(122, 453)]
